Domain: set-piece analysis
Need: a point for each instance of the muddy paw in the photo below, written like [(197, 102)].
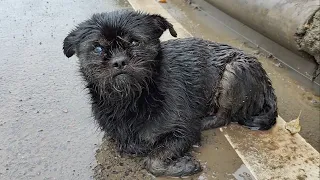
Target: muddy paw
[(184, 166)]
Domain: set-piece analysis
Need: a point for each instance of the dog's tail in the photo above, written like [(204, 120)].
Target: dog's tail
[(264, 103), (268, 114)]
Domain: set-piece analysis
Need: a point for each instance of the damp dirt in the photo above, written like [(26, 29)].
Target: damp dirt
[(112, 165), (308, 37)]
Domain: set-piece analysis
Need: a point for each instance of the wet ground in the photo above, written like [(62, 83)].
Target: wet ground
[(46, 127)]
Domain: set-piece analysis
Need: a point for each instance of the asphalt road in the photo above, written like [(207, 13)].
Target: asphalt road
[(46, 128)]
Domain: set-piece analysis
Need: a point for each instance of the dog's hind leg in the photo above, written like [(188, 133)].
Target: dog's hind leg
[(246, 96), (210, 122), (230, 97), (227, 98), (222, 118)]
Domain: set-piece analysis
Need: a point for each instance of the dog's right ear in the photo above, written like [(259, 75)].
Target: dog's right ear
[(70, 42), (163, 24)]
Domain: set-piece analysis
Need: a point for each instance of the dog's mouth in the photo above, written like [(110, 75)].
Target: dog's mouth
[(125, 84), (120, 73), (121, 78)]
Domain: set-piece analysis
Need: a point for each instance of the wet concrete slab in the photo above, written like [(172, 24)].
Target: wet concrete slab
[(274, 154)]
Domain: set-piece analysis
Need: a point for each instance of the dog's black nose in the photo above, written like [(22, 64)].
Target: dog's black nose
[(119, 62)]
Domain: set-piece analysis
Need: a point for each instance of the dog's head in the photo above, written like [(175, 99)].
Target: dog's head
[(117, 50)]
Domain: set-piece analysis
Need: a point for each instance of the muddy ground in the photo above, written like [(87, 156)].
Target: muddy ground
[(217, 157)]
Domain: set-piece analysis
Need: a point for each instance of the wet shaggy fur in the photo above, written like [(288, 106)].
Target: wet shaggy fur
[(153, 99)]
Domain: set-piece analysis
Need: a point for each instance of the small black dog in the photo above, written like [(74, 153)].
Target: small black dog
[(154, 98)]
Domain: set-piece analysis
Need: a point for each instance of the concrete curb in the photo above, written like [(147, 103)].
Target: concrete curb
[(274, 154)]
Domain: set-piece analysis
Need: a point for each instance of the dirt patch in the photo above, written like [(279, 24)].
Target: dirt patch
[(113, 166), (308, 38)]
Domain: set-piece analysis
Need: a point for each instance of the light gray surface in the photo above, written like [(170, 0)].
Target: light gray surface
[(46, 129)]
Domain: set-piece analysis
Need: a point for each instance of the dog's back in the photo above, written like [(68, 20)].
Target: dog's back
[(223, 81)]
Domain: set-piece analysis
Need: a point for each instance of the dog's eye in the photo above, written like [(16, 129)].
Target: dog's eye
[(98, 50), (134, 43)]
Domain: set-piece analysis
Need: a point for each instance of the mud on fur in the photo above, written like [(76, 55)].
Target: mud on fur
[(154, 98)]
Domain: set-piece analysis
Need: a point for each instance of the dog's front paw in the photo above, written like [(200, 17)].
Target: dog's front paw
[(184, 166)]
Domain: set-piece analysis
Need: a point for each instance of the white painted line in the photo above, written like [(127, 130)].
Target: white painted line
[(274, 154)]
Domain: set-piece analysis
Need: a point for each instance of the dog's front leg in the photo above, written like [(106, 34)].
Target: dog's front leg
[(171, 158)]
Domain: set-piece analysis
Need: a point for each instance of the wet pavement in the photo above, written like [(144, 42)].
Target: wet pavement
[(46, 128)]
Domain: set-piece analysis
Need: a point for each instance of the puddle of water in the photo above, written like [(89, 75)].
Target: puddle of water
[(217, 156)]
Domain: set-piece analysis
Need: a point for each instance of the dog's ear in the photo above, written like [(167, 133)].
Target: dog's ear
[(163, 24), (70, 42)]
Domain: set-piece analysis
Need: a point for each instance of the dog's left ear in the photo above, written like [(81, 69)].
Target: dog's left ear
[(163, 25), (69, 43)]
